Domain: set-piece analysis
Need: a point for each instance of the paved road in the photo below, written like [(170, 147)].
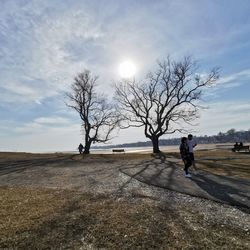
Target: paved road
[(167, 173)]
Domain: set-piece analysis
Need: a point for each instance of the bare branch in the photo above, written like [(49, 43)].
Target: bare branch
[(99, 118), (168, 96)]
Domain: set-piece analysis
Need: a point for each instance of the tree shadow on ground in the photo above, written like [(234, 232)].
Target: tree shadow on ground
[(60, 229), (162, 173), (152, 172), (222, 192), (85, 221), (11, 166), (229, 166), (18, 166)]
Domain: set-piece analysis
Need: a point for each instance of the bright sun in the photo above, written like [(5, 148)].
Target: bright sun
[(127, 69)]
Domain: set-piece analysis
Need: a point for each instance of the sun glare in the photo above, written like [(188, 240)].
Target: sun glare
[(127, 69)]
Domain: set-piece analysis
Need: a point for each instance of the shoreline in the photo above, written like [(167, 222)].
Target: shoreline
[(170, 148)]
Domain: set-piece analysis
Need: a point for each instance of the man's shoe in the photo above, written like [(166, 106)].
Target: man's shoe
[(188, 175)]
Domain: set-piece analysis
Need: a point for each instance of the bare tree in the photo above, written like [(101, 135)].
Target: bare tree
[(166, 100), (99, 118)]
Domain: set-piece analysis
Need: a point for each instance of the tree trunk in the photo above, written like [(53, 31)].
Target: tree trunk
[(155, 142), (87, 147)]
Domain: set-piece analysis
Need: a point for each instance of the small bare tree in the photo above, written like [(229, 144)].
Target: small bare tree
[(99, 118), (165, 100)]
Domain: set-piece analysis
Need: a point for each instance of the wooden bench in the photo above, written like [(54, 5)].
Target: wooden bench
[(118, 150), (240, 148)]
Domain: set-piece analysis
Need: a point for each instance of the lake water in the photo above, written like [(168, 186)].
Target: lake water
[(172, 148)]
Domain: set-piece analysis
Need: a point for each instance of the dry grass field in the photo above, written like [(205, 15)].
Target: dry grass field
[(223, 162), (59, 217)]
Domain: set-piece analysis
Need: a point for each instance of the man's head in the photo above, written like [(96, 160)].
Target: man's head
[(190, 137), (183, 139)]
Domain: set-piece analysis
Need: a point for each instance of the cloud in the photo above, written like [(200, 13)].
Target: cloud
[(225, 115), (45, 43), (52, 120), (46, 140), (236, 77), (43, 134), (227, 83), (41, 124), (38, 52)]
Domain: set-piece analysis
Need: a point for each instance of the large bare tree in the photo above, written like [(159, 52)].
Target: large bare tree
[(166, 100), (99, 118)]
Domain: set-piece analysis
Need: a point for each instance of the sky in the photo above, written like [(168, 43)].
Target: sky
[(44, 44)]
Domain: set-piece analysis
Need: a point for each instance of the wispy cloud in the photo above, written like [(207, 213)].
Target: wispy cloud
[(38, 48), (52, 120), (40, 135), (225, 115), (236, 77), (228, 83), (44, 44), (49, 42), (45, 123)]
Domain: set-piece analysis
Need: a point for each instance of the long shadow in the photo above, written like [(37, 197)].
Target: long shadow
[(8, 166), (143, 165), (157, 167), (12, 166), (73, 222), (232, 169), (218, 191), (65, 234), (236, 181), (222, 192), (213, 164)]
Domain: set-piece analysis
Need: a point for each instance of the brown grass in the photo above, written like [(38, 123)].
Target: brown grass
[(222, 162), (53, 219), (32, 218), (30, 156)]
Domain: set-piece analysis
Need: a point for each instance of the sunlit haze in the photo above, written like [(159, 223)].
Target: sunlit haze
[(127, 69)]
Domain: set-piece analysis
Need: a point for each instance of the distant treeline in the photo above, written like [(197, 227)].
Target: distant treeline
[(230, 136)]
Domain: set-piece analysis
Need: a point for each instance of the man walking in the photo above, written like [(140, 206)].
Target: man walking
[(80, 148), (191, 145), (185, 156)]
